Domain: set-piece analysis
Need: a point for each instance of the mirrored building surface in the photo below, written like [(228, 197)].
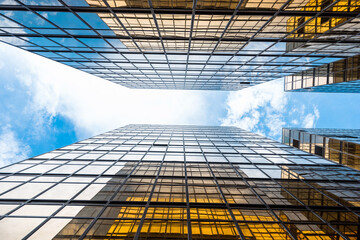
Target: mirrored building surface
[(340, 76), (173, 44), (338, 145), (178, 182)]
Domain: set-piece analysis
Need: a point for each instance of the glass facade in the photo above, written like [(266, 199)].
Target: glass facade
[(173, 44), (338, 145), (178, 182), (310, 28), (340, 76)]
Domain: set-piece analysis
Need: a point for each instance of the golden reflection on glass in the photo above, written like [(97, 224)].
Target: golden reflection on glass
[(306, 198), (164, 223), (179, 25), (214, 230), (210, 214), (116, 229), (312, 197), (204, 191), (163, 229), (328, 146), (318, 25), (350, 229), (73, 230), (169, 190), (123, 212)]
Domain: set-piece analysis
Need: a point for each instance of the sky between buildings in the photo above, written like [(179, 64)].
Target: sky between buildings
[(46, 105)]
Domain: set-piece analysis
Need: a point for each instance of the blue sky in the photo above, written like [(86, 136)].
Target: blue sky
[(46, 105)]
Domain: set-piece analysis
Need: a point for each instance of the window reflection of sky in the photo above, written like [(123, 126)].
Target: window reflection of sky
[(84, 39)]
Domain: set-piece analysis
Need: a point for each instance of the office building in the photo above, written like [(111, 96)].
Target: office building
[(178, 182), (200, 44), (341, 76), (338, 145)]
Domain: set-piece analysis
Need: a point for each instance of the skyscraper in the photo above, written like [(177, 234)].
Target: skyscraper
[(338, 145), (341, 76), (200, 44), (178, 182)]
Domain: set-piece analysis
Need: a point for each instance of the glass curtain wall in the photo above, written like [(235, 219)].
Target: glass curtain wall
[(178, 182), (173, 44), (338, 145)]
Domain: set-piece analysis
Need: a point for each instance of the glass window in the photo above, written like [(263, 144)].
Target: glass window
[(62, 191), (36, 210), (7, 226), (27, 191)]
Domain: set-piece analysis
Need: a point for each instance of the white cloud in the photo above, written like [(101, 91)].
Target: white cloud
[(311, 118), (266, 109), (295, 122), (95, 105), (11, 149), (257, 107)]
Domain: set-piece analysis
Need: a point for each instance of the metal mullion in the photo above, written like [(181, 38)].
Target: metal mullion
[(329, 31), (98, 9), (69, 200), (137, 234), (253, 37), (190, 36), (242, 236), (270, 19), (27, 181), (180, 38), (188, 215), (36, 175), (44, 49), (159, 33), (14, 35), (307, 207), (209, 71), (220, 39), (298, 27), (266, 54), (55, 184), (264, 203), (100, 53), (44, 35), (311, 40), (109, 201), (129, 35), (75, 38), (331, 55), (328, 196), (200, 64), (192, 205), (14, 163)]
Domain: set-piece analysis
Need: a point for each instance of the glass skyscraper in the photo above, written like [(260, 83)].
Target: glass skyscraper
[(178, 182), (339, 145), (178, 44), (340, 76)]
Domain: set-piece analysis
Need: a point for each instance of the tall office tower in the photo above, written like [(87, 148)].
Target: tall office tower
[(340, 76), (338, 145), (179, 182), (178, 44)]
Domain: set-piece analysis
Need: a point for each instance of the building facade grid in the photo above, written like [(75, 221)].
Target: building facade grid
[(338, 145), (339, 76), (179, 182), (209, 45)]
